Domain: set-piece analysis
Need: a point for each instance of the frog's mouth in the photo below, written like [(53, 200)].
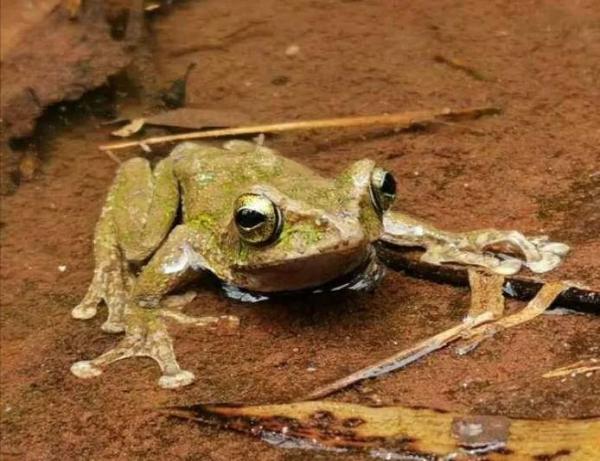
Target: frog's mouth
[(365, 277)]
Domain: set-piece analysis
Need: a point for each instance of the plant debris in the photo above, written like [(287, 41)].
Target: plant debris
[(578, 298), (459, 65), (538, 305), (403, 120), (486, 305), (403, 433), (581, 367), (174, 97), (186, 117)]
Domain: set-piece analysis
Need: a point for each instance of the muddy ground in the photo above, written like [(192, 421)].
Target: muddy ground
[(535, 167)]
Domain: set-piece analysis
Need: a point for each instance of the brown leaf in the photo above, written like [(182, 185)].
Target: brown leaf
[(397, 432)]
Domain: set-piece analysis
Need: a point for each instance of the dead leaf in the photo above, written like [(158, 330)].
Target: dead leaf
[(132, 127), (401, 432)]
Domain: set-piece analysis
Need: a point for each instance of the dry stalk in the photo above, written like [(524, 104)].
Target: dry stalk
[(400, 121)]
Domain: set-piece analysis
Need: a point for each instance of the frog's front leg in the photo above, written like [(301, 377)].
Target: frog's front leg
[(474, 247), (174, 264), (139, 212)]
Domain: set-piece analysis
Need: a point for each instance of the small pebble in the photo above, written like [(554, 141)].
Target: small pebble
[(62, 268), (292, 50)]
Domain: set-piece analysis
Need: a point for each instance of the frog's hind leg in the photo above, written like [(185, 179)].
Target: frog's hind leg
[(111, 281), (139, 212)]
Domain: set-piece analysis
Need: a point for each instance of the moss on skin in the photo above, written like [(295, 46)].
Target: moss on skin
[(305, 234)]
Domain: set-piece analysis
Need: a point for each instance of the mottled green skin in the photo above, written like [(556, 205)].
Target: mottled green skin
[(142, 253), (324, 220)]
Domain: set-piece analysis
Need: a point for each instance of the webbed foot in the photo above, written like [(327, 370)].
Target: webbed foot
[(538, 253), (85, 369), (502, 252), (146, 335), (178, 379)]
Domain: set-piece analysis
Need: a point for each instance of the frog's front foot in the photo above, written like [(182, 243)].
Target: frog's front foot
[(512, 249), (146, 335), (169, 380), (503, 252), (178, 379), (85, 369)]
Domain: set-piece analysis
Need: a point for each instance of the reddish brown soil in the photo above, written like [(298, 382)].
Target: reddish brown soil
[(536, 168)]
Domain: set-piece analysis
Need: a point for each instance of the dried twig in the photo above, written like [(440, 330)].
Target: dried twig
[(542, 301), (459, 65), (577, 368), (401, 359), (401, 121), (485, 290)]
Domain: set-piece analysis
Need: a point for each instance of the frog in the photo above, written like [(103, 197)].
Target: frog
[(261, 224)]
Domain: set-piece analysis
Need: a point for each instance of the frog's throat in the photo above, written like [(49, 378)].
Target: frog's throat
[(364, 277)]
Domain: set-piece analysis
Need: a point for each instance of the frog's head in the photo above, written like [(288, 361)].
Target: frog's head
[(310, 235)]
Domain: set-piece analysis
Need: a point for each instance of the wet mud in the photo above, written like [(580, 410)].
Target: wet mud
[(532, 168)]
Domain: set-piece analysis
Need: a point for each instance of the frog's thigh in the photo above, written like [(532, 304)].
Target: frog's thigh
[(144, 206)]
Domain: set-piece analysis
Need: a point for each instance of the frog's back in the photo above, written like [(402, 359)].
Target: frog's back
[(212, 178)]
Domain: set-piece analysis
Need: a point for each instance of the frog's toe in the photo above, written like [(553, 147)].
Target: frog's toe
[(84, 311), (509, 266), (557, 248), (179, 379), (110, 326), (85, 369), (546, 263)]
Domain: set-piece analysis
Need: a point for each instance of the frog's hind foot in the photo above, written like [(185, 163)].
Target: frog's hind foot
[(110, 284)]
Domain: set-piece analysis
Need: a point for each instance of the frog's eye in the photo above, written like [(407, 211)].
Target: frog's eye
[(383, 189), (258, 220)]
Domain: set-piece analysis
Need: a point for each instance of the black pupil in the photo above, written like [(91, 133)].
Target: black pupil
[(388, 186), (248, 218)]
